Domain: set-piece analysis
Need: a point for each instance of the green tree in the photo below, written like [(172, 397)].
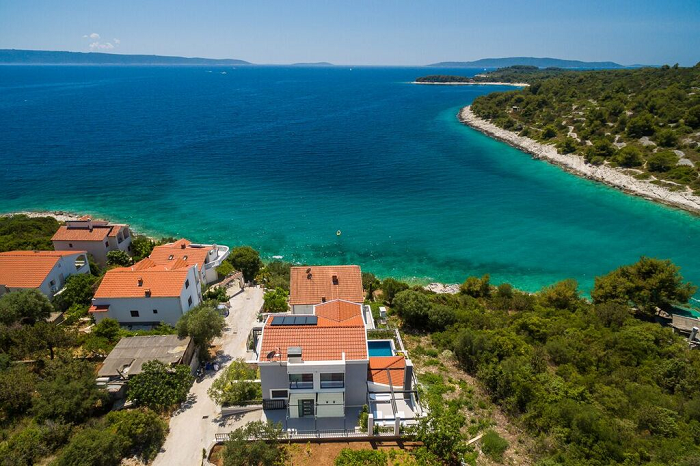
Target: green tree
[(476, 287), (390, 287), (413, 307), (234, 386), (666, 137), (646, 285), (440, 432), (276, 275), (45, 336), (370, 283), (662, 161), (493, 445), (160, 387), (203, 323), (141, 246), (17, 384), (67, 392), (79, 290), (692, 117), (641, 125), (567, 146), (108, 329), (549, 132), (266, 450), (22, 233), (275, 301), (561, 295), (247, 260), (92, 447), (629, 156), (225, 269), (142, 432), (24, 306), (119, 258)]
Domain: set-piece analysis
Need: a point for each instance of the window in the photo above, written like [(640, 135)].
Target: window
[(134, 313), (155, 311), (187, 283), (301, 381), (70, 245), (184, 258), (80, 262), (52, 283), (334, 380), (278, 394), (106, 244), (189, 301), (170, 257)]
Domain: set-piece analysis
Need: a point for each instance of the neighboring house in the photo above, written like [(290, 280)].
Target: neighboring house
[(206, 256), (147, 293), (45, 271), (309, 286), (97, 237), (129, 355), (315, 365)]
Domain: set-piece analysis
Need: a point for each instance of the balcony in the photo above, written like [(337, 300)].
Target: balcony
[(219, 255)]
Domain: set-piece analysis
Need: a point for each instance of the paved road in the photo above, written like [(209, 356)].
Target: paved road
[(193, 427)]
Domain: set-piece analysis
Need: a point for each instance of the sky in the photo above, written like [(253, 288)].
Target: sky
[(362, 32)]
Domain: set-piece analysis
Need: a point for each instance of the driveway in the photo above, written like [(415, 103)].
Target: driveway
[(193, 426)]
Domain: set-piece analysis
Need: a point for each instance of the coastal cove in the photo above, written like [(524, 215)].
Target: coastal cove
[(281, 158)]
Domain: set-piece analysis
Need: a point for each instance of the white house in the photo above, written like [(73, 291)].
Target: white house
[(206, 256), (147, 294), (45, 271), (97, 237), (309, 286)]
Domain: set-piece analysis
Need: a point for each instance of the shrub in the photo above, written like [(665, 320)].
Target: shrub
[(79, 290), (233, 387), (666, 137), (142, 431), (348, 457), (275, 301), (549, 132), (493, 445), (160, 387), (413, 307), (629, 156), (108, 329), (476, 287), (217, 294), (662, 161), (225, 269), (239, 451), (24, 306), (390, 287), (119, 258), (92, 447)]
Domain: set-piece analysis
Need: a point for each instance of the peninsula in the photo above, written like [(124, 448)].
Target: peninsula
[(50, 57), (636, 130), (529, 61)]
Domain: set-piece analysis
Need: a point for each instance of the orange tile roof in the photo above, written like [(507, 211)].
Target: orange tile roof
[(123, 282), (161, 255), (29, 269), (114, 231), (65, 233), (340, 329), (378, 366), (310, 285), (339, 313)]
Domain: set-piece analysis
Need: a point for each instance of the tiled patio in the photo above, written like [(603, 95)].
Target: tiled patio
[(349, 422)]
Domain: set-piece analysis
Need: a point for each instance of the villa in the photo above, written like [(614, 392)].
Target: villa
[(147, 294), (97, 237), (207, 257), (45, 271), (309, 286), (320, 364)]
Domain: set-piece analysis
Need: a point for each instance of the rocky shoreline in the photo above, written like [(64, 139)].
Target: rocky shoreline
[(575, 164), (458, 83)]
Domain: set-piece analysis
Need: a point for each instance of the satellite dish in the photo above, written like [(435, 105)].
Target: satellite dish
[(271, 354)]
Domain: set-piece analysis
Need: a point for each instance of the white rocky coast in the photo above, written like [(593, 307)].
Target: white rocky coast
[(442, 288), (575, 164)]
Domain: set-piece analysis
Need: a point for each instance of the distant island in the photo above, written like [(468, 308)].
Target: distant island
[(46, 57), (530, 61)]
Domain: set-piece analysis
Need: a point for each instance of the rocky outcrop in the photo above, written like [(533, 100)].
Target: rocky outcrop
[(576, 164)]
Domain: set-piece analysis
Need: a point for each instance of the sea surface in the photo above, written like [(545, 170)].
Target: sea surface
[(282, 158)]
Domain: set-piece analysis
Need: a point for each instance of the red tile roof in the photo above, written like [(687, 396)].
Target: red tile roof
[(168, 254), (99, 308), (123, 282), (29, 269), (313, 285), (340, 329), (379, 365)]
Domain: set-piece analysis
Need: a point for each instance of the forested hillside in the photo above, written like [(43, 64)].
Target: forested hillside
[(645, 120)]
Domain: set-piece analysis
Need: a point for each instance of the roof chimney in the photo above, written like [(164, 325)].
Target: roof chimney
[(140, 281), (148, 293), (335, 279), (323, 299), (294, 354), (183, 246)]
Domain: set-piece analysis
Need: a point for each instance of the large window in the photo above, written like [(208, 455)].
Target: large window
[(301, 381), (278, 394), (134, 313), (334, 380)]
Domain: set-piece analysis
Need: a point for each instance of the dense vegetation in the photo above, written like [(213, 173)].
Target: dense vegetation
[(593, 382), (21, 233), (645, 119)]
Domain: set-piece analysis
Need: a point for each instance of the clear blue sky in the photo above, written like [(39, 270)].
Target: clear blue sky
[(371, 32)]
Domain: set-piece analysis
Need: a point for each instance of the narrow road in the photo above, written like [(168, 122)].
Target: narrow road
[(192, 428)]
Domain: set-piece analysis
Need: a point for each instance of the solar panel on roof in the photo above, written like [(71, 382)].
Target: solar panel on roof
[(277, 320), (311, 320), (300, 320), (288, 320)]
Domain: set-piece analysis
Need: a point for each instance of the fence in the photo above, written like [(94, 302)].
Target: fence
[(336, 434)]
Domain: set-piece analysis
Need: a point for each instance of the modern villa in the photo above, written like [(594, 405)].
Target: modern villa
[(97, 237), (319, 363), (45, 271)]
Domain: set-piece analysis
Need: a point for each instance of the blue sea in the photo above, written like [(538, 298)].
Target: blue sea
[(281, 158)]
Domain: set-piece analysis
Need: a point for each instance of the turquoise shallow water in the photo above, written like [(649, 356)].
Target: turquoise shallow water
[(281, 158)]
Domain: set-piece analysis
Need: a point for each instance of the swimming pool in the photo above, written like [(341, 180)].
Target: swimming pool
[(380, 348)]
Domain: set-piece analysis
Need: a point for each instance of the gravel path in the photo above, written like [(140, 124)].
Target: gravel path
[(192, 428)]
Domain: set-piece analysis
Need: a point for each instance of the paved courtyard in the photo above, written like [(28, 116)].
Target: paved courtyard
[(192, 428)]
